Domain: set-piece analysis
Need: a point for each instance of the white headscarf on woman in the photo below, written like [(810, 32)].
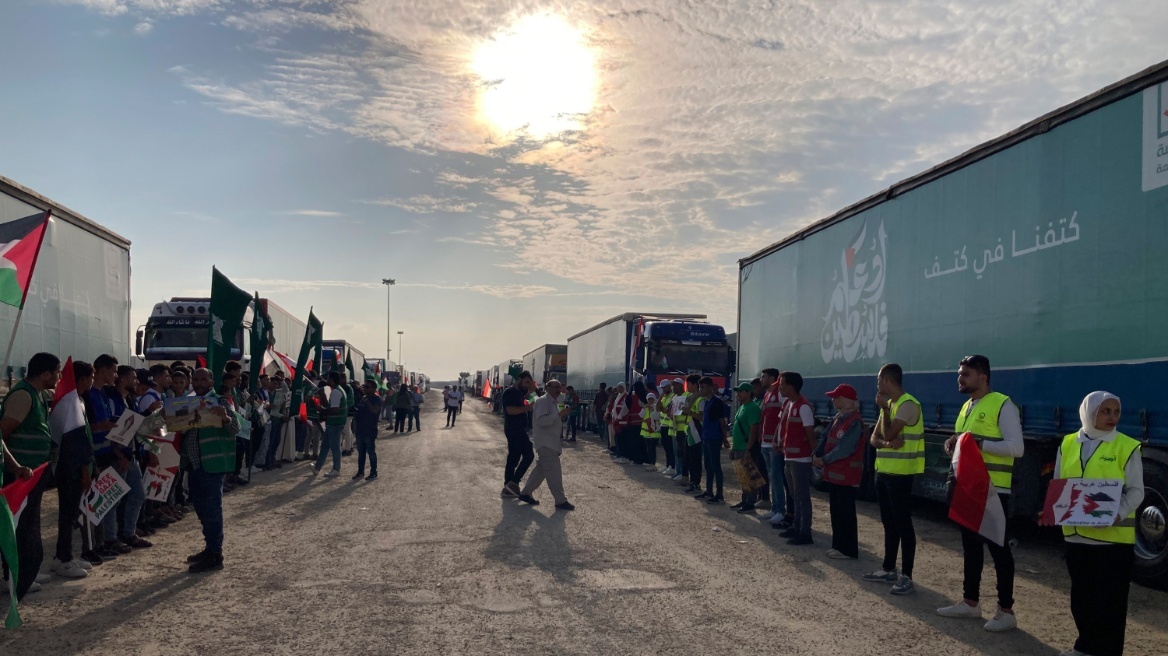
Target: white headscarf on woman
[(1087, 411)]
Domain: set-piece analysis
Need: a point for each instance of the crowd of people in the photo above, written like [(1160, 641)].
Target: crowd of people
[(266, 426), (774, 444)]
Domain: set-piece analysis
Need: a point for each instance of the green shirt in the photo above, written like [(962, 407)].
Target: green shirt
[(747, 416)]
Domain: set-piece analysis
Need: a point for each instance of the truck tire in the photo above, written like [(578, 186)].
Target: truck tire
[(1151, 564)]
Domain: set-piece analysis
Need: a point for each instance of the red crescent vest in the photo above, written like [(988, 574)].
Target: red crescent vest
[(797, 441), (849, 470)]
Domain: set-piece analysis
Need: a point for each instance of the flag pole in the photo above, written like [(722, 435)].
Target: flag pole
[(12, 341)]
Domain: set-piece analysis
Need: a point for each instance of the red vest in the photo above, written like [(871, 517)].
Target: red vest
[(796, 438), (772, 412), (849, 470)]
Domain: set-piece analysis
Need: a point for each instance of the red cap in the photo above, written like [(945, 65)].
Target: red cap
[(844, 391)]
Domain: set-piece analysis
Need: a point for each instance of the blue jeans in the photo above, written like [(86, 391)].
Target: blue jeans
[(332, 442), (133, 501), (774, 461), (712, 452), (367, 445), (207, 498)]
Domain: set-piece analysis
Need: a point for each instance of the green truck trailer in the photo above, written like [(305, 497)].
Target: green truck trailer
[(1044, 249)]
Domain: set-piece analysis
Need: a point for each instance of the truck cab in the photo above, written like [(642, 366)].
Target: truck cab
[(177, 330), (677, 348)]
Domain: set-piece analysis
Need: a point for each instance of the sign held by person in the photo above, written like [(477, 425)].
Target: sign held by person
[(184, 413), (157, 482), (1082, 502), (103, 495), (126, 428)]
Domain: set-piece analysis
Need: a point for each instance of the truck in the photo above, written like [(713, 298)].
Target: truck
[(336, 352), (654, 347), (1040, 249), (78, 300), (547, 362), (176, 330)]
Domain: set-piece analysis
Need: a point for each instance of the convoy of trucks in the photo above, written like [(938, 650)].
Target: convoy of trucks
[(1041, 250), (339, 353), (547, 362)]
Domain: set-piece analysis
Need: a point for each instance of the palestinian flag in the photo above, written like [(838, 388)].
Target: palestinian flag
[(975, 504), (20, 244), (67, 420), (13, 499)]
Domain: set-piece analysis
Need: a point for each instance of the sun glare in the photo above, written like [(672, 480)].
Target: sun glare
[(538, 77)]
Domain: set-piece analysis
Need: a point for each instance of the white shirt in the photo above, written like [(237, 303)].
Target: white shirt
[(336, 397), (545, 424), (452, 398), (1133, 479)]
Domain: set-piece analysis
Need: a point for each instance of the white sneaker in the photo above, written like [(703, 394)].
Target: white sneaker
[(42, 577), (777, 518), (1002, 621), (676, 477), (69, 570), (836, 554), (35, 587), (332, 473), (766, 517), (960, 609), (623, 461), (83, 564)]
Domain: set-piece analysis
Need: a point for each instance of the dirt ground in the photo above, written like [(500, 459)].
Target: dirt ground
[(429, 560)]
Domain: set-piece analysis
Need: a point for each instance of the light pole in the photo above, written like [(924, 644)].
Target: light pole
[(399, 347), (389, 283)]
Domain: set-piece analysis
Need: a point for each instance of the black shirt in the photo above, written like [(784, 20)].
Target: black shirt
[(513, 397)]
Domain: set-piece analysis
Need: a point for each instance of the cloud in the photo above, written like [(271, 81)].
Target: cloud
[(144, 28), (314, 213), (715, 130)]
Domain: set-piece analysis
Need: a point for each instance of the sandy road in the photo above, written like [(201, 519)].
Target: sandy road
[(429, 560)]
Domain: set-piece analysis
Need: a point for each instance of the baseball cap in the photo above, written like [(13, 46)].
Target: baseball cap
[(745, 387), (650, 395), (679, 381), (844, 391)]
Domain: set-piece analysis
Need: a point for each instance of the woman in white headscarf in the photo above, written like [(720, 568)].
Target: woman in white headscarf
[(1100, 559)]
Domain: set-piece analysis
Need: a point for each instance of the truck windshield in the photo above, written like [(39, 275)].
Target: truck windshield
[(166, 341), (683, 358)]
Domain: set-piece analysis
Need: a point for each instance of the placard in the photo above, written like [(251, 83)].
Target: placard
[(103, 495), (157, 483), (1082, 502), (183, 413), (126, 428)]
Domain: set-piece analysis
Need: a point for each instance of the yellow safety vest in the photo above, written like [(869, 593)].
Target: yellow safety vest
[(983, 423), (646, 424), (666, 420), (1107, 462), (910, 458)]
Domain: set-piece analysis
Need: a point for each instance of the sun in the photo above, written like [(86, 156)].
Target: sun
[(538, 77)]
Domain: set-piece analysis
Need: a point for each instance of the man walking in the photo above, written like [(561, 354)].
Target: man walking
[(452, 399), (545, 419), (208, 454), (899, 439), (519, 450), (996, 426), (365, 428)]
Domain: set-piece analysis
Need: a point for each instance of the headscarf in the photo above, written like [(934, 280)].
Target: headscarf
[(1087, 411)]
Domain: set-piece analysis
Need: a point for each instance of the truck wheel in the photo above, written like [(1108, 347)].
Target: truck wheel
[(1151, 565)]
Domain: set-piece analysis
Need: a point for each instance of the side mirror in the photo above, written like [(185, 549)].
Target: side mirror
[(138, 342)]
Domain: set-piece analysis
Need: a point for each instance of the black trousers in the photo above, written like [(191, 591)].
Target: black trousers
[(520, 454), (650, 450), (68, 509), (28, 537), (634, 448), (451, 415), (693, 460), (1100, 581), (971, 546), (845, 534), (667, 443), (894, 494), (399, 420)]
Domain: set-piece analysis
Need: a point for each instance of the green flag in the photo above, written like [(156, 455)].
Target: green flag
[(228, 307), (313, 335), (261, 334), (349, 366)]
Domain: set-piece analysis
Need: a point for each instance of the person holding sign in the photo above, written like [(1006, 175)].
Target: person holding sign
[(1099, 558), (208, 453)]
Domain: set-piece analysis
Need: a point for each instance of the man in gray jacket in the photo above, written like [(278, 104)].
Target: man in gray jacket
[(546, 418)]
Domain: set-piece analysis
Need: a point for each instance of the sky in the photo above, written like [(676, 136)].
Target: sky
[(523, 170)]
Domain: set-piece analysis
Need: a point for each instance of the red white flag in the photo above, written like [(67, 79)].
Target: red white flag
[(975, 504), (68, 413)]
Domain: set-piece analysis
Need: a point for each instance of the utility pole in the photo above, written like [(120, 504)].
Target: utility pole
[(399, 347), (389, 283)]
